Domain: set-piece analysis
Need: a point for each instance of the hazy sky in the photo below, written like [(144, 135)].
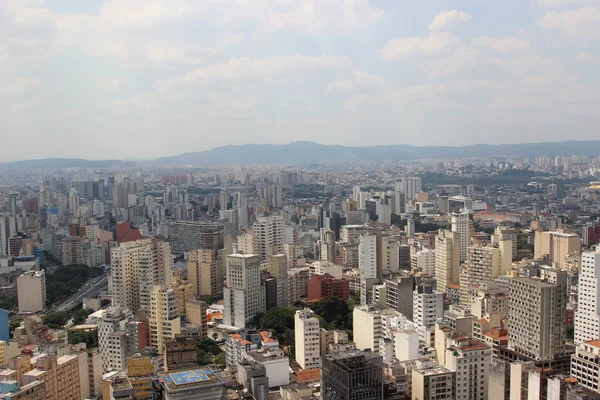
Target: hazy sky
[(145, 78)]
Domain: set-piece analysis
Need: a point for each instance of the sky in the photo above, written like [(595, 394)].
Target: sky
[(149, 78)]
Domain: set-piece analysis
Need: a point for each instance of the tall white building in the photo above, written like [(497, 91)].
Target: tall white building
[(460, 224), (31, 291), (367, 328), (587, 315), (242, 291), (269, 236), (423, 261), (367, 264), (428, 307), (307, 331), (585, 364), (409, 186), (74, 201)]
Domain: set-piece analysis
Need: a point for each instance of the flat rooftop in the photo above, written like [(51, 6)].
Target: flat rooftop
[(190, 378)]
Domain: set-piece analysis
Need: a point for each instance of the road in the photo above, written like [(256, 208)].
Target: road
[(90, 289)]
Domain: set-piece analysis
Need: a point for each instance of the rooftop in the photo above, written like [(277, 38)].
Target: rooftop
[(190, 378)]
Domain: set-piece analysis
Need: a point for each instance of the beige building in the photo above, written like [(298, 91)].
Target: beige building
[(72, 250), (184, 291), (165, 320), (447, 259), (268, 236), (277, 267), (558, 246), (205, 273), (461, 225), (307, 331), (471, 360), (31, 291), (585, 365), (242, 293), (61, 376), (432, 382), (484, 263), (136, 267)]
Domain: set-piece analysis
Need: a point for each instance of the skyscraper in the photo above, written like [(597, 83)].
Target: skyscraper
[(587, 315), (428, 307), (164, 320), (447, 259), (352, 375), (205, 272), (278, 270), (242, 292), (192, 235), (269, 236), (367, 265), (307, 331), (242, 209)]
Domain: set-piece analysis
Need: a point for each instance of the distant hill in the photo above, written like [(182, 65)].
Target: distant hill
[(313, 153), (59, 163), (301, 153)]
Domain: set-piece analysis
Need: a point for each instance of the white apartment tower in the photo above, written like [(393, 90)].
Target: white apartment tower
[(460, 224), (367, 264), (428, 307), (242, 291), (367, 327), (447, 259), (537, 316), (269, 236), (409, 186), (587, 315), (307, 331)]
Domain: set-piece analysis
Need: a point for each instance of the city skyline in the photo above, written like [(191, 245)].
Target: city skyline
[(115, 79)]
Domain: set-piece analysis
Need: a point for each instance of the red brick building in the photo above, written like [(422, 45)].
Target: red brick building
[(320, 286), (125, 233)]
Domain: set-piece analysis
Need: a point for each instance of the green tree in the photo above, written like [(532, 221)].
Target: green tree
[(278, 319), (56, 320), (13, 323), (334, 311), (80, 316), (208, 345), (90, 338), (8, 302), (207, 299)]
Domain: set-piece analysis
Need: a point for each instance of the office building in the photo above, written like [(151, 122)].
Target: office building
[(537, 327), (31, 291), (352, 375), (423, 262), (320, 286), (587, 315), (307, 331), (186, 236), (242, 210), (206, 273), (483, 264), (242, 294), (367, 265), (447, 259), (471, 360), (277, 267)]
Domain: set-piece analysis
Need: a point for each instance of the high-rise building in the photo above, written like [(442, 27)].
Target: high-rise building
[(409, 186), (483, 264), (585, 365), (537, 327), (328, 245), (367, 265), (428, 307), (269, 236), (242, 209), (460, 225), (557, 246), (307, 331), (367, 328), (74, 202), (136, 267), (423, 262), (192, 235), (3, 235), (278, 269), (31, 291), (205, 272), (587, 315), (447, 259), (242, 294), (471, 360), (432, 382), (164, 321), (352, 375)]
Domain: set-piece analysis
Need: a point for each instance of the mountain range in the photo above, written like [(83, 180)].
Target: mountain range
[(299, 153)]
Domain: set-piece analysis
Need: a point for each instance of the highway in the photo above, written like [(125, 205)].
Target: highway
[(90, 289)]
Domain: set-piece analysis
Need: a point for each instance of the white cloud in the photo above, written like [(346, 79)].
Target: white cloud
[(21, 85), (360, 79), (109, 84), (581, 23), (461, 60), (558, 3), (501, 45), (435, 43), (445, 18), (588, 58)]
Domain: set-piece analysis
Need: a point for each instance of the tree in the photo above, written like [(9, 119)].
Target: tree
[(8, 302), (56, 320), (334, 311), (80, 316), (207, 299), (90, 338), (278, 319), (208, 345)]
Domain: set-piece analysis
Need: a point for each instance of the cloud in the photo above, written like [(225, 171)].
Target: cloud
[(445, 18), (501, 45), (581, 23), (461, 60), (361, 79), (435, 43), (109, 84), (588, 58), (21, 85), (558, 3)]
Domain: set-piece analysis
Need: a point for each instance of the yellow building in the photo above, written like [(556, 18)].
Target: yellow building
[(183, 291), (204, 273), (557, 246), (165, 320), (60, 376), (139, 372)]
